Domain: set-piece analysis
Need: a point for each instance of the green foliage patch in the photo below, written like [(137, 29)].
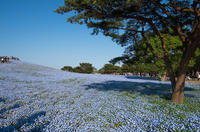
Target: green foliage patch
[(109, 69), (2, 78), (68, 80), (83, 68), (175, 110)]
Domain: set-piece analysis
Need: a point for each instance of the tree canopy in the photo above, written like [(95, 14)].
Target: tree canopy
[(130, 21), (67, 68), (110, 69), (82, 68)]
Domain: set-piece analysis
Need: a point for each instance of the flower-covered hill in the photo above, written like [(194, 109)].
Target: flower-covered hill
[(38, 98)]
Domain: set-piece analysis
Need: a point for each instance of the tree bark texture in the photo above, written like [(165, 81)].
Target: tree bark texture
[(178, 88)]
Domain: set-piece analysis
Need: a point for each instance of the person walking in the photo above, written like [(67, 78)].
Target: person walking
[(198, 75)]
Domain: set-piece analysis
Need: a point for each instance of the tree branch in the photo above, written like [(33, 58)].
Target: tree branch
[(149, 45), (165, 57), (182, 9)]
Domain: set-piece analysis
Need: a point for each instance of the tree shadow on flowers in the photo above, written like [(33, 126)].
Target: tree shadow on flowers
[(2, 100), (9, 108), (145, 87), (26, 121), (143, 78)]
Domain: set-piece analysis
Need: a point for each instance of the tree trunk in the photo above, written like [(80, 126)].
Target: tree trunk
[(178, 90), (178, 87)]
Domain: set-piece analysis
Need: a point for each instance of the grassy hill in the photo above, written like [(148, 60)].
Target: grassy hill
[(38, 98)]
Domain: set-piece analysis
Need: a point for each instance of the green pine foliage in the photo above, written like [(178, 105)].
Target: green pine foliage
[(67, 68), (83, 68), (110, 69)]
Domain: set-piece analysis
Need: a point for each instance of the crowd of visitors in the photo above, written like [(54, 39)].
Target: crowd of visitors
[(6, 59)]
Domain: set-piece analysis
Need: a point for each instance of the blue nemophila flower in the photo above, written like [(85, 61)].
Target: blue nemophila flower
[(38, 98)]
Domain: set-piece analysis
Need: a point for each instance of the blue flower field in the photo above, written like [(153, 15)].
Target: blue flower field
[(38, 98)]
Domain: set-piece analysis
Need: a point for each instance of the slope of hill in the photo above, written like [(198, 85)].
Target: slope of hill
[(38, 98)]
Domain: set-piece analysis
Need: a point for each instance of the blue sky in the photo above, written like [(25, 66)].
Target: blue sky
[(30, 30)]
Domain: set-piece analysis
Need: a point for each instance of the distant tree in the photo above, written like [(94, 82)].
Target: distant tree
[(86, 68), (129, 21), (142, 54), (82, 68), (194, 65), (110, 69), (132, 68), (125, 68), (77, 69), (67, 68), (95, 70)]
